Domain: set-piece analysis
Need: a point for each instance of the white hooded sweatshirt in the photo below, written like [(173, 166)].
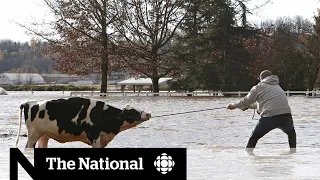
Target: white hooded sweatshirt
[(270, 97)]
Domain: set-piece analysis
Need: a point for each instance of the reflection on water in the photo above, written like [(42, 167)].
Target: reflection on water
[(215, 139)]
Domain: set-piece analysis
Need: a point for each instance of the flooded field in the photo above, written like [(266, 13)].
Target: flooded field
[(215, 139)]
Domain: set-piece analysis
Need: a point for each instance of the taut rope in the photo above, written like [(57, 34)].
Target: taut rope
[(188, 112)]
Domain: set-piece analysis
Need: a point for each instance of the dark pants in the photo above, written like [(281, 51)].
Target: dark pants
[(266, 124)]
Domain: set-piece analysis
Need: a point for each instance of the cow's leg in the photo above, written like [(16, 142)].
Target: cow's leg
[(33, 137), (105, 139), (96, 143), (43, 142)]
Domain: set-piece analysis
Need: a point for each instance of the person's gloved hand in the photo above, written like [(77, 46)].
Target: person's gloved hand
[(230, 106), (253, 106)]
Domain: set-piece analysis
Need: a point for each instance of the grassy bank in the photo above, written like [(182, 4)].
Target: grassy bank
[(50, 87)]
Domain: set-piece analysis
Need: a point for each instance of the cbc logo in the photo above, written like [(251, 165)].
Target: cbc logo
[(164, 163)]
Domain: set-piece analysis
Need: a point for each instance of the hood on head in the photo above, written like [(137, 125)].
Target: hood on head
[(273, 79), (128, 107)]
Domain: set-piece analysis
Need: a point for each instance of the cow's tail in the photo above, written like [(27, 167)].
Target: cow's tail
[(20, 121)]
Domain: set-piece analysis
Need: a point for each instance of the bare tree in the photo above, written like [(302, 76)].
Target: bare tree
[(79, 40), (146, 29)]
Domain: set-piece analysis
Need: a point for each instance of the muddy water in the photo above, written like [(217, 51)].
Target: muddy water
[(215, 139)]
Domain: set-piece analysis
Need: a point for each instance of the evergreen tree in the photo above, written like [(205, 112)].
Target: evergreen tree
[(212, 39)]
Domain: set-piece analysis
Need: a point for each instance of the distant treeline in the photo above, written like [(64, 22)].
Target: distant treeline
[(203, 45), (23, 58)]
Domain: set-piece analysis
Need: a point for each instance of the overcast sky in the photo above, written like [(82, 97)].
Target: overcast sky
[(23, 11)]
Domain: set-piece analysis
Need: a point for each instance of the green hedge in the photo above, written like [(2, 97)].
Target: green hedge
[(48, 88)]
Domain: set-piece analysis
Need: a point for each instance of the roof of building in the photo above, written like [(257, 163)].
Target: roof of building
[(2, 91), (24, 77), (142, 81)]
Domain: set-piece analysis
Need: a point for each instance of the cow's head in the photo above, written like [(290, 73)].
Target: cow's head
[(131, 114), (133, 117)]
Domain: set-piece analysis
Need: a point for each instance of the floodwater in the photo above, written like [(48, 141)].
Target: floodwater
[(214, 139)]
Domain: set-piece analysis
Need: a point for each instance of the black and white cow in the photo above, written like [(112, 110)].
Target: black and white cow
[(76, 119)]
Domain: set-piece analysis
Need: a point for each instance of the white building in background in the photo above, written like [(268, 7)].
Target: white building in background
[(3, 92), (140, 82), (92, 78), (143, 81), (21, 78)]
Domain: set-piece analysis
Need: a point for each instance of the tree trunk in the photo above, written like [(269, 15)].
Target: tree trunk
[(155, 78), (105, 52), (312, 79), (155, 83), (104, 66), (104, 75)]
